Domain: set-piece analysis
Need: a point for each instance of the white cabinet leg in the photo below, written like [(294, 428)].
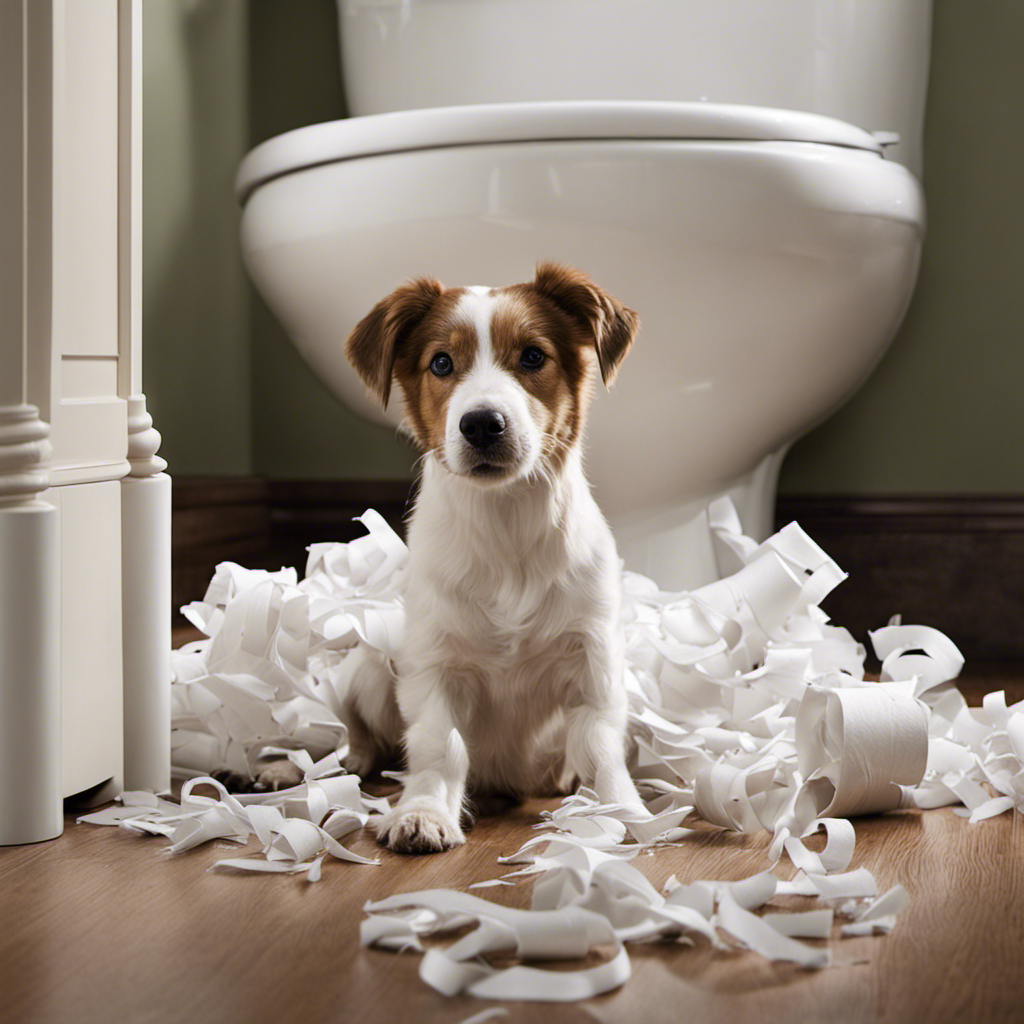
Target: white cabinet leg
[(146, 617), (146, 606), (31, 795)]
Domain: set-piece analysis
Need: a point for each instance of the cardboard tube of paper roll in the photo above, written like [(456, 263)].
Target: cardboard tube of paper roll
[(866, 741)]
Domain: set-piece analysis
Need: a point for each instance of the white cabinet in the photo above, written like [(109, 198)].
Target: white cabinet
[(84, 504)]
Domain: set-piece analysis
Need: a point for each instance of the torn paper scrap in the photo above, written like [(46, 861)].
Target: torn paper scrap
[(297, 828), (758, 935), (879, 916), (566, 934), (747, 708)]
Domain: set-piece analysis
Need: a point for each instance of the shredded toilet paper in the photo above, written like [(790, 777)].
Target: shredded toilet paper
[(747, 709), (297, 827)]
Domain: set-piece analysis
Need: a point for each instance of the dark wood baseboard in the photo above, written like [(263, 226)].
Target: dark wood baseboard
[(266, 524), (938, 514), (955, 563), (213, 520), (952, 562), (305, 511)]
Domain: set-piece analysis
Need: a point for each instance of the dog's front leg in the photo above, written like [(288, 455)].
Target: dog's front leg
[(595, 747), (426, 817)]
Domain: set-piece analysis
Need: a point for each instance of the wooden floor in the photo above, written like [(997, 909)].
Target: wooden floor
[(101, 926)]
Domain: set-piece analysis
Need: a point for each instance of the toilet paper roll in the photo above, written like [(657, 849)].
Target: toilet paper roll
[(863, 743)]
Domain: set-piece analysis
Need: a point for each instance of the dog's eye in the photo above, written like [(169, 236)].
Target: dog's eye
[(441, 365), (532, 358)]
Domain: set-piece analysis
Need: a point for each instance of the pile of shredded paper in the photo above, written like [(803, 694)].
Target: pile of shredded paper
[(747, 707)]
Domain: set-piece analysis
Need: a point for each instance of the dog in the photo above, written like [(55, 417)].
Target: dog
[(510, 677)]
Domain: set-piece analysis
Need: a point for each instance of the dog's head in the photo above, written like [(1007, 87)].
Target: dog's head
[(496, 381)]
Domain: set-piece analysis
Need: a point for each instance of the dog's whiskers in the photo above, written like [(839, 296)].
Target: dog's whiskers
[(550, 447), (436, 450)]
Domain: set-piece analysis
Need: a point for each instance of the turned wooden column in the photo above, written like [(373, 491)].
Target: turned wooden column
[(31, 805), (146, 606)]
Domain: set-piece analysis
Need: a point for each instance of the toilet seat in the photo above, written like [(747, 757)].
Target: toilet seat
[(433, 128)]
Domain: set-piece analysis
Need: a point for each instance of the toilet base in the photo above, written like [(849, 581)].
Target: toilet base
[(673, 545)]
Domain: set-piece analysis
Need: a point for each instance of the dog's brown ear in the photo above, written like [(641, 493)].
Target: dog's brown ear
[(612, 325), (373, 344)]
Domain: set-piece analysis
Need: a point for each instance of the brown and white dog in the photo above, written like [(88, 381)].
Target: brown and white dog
[(510, 678)]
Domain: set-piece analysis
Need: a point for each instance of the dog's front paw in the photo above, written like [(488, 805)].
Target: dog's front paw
[(232, 781), (278, 774), (426, 828)]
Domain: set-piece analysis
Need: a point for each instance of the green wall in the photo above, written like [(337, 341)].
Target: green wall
[(197, 364), (942, 414), (300, 430)]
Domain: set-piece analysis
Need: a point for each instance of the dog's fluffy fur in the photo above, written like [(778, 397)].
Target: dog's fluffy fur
[(510, 678)]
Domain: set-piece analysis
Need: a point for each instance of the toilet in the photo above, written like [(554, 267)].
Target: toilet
[(743, 175)]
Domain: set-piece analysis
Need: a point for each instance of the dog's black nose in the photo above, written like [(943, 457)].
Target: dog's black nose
[(482, 427)]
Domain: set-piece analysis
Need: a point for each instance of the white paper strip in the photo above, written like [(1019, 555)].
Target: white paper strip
[(745, 704), (755, 933)]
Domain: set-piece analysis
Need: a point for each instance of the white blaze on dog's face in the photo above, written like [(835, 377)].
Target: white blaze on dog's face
[(496, 381)]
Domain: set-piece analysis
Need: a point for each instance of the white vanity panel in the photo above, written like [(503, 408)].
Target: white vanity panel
[(90, 640), (87, 415)]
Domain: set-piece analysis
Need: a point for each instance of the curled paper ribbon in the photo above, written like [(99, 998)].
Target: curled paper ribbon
[(296, 827), (566, 934), (746, 704)]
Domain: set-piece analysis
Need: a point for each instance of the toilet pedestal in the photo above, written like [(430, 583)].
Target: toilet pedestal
[(674, 545)]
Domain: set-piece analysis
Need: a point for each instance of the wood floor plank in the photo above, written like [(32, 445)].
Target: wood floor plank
[(100, 926)]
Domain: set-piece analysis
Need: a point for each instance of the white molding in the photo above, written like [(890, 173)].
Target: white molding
[(24, 453), (143, 440), (89, 472)]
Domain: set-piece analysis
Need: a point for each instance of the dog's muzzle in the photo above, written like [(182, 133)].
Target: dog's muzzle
[(482, 428), (490, 446)]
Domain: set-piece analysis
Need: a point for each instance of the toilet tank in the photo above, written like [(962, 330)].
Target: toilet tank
[(863, 61)]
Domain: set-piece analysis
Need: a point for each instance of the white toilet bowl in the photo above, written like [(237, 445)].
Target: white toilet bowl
[(770, 254)]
